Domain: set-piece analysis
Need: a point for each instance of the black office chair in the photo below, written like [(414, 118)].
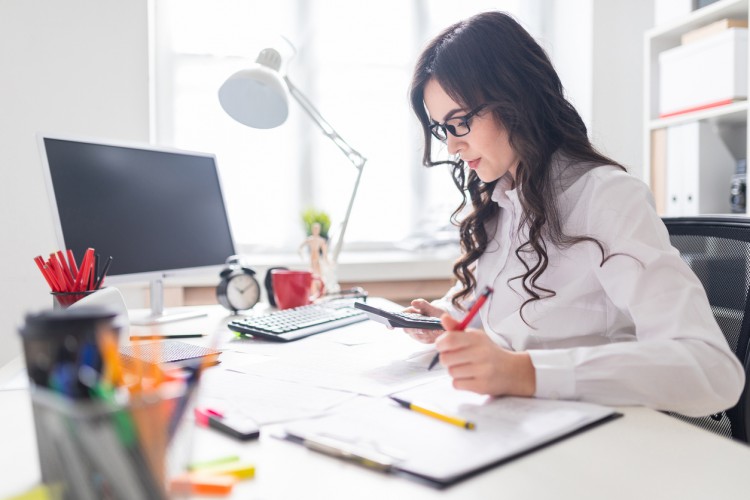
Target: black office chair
[(717, 248)]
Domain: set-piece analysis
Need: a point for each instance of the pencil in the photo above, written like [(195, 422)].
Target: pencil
[(432, 413), (470, 316)]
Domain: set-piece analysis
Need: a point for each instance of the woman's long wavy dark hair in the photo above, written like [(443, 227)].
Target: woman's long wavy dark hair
[(489, 59)]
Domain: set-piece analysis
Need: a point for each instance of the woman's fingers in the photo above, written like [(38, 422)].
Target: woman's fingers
[(421, 306), (424, 308), (448, 322)]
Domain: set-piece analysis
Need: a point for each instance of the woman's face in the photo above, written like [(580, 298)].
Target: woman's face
[(485, 149)]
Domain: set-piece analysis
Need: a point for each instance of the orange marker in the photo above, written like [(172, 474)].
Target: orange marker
[(202, 484)]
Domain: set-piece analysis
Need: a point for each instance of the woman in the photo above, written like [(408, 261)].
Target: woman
[(590, 300)]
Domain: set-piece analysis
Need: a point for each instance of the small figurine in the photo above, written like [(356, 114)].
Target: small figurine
[(318, 248)]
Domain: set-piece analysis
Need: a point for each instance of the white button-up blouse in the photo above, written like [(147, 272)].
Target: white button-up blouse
[(637, 330)]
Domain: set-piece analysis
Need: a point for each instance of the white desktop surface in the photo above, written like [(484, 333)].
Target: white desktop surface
[(644, 454)]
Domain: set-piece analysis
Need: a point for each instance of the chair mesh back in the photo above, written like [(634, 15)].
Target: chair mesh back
[(720, 257)]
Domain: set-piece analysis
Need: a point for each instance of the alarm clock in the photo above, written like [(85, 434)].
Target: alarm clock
[(238, 289)]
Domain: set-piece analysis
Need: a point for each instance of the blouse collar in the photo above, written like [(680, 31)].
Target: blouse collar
[(505, 192)]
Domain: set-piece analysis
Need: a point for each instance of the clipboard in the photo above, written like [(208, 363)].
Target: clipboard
[(387, 438)]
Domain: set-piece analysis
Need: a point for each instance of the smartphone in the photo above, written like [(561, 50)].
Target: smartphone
[(399, 319)]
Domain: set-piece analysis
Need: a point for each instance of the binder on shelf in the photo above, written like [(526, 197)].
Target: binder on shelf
[(698, 172), (659, 169)]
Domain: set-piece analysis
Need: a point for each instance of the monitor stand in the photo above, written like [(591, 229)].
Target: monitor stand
[(158, 315)]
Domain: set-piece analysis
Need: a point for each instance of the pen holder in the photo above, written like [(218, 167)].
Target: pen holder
[(61, 300), (59, 345), (95, 449), (96, 440)]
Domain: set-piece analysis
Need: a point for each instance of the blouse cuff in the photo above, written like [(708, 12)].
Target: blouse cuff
[(555, 374)]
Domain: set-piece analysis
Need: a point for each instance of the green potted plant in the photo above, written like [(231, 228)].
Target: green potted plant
[(310, 216)]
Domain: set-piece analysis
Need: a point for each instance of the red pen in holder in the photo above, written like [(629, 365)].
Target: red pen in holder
[(66, 299), (68, 281)]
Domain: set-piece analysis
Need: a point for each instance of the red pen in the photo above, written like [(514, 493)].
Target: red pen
[(82, 280), (43, 268), (57, 272), (467, 319), (65, 268), (63, 276), (72, 264)]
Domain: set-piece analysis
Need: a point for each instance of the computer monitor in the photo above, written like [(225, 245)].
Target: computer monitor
[(158, 212)]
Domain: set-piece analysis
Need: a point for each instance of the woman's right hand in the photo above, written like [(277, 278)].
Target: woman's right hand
[(421, 306)]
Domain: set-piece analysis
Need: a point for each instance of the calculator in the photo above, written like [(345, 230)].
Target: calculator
[(400, 319)]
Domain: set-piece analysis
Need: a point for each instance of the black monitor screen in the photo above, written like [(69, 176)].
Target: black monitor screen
[(152, 210)]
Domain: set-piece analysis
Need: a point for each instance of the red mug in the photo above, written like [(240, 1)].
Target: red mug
[(295, 288)]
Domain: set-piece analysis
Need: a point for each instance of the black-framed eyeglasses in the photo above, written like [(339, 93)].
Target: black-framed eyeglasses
[(458, 126)]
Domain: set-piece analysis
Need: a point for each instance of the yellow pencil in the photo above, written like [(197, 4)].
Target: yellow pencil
[(431, 413)]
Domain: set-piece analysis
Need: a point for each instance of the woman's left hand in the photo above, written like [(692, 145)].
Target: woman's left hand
[(421, 306), (479, 365)]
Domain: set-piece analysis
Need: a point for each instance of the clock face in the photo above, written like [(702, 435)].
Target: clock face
[(243, 292)]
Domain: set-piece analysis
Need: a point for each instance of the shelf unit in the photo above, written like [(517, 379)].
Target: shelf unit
[(729, 120)]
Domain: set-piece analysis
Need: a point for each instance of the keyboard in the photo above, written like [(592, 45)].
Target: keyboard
[(292, 324)]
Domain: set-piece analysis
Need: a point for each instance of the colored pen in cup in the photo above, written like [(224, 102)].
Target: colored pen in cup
[(434, 414), (470, 316)]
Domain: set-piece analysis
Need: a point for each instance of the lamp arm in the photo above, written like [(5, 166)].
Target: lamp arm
[(340, 239), (352, 154)]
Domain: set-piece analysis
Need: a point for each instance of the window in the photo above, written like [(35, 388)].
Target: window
[(353, 61)]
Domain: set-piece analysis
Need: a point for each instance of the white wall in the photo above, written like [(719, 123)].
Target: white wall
[(568, 39), (597, 49), (73, 67), (617, 89)]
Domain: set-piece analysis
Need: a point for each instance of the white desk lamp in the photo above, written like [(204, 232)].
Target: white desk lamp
[(257, 97)]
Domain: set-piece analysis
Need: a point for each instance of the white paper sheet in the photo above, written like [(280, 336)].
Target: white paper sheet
[(374, 369), (264, 400)]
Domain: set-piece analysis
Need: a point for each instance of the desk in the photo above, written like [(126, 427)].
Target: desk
[(645, 454)]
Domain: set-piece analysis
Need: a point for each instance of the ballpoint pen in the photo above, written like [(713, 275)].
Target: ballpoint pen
[(434, 414), (470, 316)]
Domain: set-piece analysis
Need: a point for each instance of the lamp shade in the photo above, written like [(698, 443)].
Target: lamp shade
[(256, 97)]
